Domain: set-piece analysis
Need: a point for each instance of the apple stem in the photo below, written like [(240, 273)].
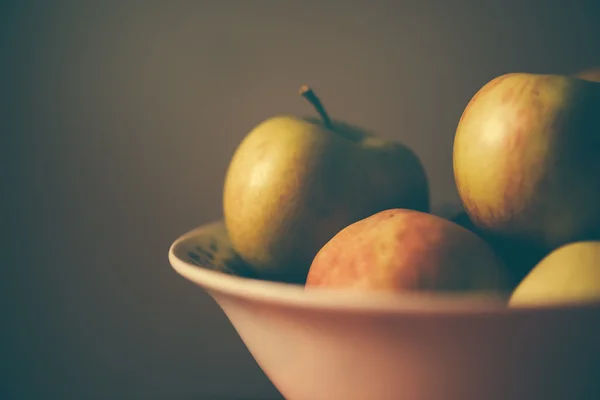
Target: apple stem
[(312, 98)]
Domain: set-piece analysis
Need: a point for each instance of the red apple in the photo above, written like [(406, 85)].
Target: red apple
[(406, 250)]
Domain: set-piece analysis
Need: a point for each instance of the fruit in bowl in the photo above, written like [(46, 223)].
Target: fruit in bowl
[(526, 164), (526, 158), (569, 273), (344, 285), (323, 343), (400, 250), (295, 182)]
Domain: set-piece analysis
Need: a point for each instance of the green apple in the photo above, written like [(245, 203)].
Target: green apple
[(526, 159), (570, 273), (404, 250), (295, 182)]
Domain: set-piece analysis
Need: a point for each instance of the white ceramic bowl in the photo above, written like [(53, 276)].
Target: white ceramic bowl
[(319, 344)]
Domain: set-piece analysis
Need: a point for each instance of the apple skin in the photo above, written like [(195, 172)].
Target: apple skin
[(526, 159), (292, 184), (570, 273), (405, 250)]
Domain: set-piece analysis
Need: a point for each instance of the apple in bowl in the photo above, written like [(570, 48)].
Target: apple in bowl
[(321, 343), (343, 285)]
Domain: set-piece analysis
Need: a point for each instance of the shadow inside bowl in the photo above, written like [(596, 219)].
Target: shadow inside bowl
[(215, 252)]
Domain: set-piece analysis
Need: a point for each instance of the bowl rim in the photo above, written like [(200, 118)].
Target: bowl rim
[(328, 299)]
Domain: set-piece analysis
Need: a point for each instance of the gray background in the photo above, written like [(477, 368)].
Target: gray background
[(121, 118)]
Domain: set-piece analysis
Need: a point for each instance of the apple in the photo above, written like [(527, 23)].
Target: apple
[(405, 250), (570, 273), (526, 159), (294, 182)]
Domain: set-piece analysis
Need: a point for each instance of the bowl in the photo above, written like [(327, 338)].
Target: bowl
[(324, 344)]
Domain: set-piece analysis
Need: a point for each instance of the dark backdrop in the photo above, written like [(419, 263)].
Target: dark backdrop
[(118, 121)]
